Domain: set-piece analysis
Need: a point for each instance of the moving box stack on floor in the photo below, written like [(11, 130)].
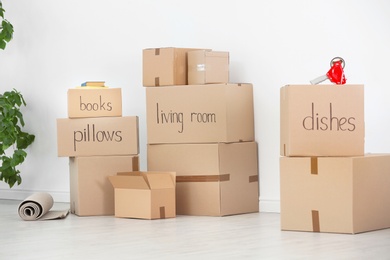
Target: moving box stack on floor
[(99, 142), (201, 127), (328, 183)]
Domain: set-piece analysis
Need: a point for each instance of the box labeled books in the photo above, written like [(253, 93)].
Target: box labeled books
[(94, 102)]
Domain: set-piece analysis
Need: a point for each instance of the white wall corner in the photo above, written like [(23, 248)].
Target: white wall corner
[(269, 205)]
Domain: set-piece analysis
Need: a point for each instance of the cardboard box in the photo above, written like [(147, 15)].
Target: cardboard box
[(199, 114), (97, 136), (208, 67), (94, 102), (165, 66), (335, 194), (322, 120), (146, 195), (91, 193), (211, 179)]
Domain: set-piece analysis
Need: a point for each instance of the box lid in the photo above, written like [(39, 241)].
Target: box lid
[(159, 180), (128, 182), (143, 180)]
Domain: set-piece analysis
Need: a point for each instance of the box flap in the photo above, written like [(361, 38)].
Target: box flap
[(128, 182), (133, 173), (160, 180), (149, 180)]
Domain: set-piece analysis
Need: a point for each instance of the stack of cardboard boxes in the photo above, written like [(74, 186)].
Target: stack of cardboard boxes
[(99, 142), (327, 182), (201, 127)]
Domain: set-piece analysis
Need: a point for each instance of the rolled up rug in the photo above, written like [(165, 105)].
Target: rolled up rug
[(37, 206)]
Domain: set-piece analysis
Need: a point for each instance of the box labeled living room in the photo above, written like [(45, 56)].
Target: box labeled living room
[(200, 113)]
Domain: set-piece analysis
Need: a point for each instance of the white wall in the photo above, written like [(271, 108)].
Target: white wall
[(59, 44)]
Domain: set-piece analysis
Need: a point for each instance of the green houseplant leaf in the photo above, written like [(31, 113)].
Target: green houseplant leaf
[(6, 29), (12, 136)]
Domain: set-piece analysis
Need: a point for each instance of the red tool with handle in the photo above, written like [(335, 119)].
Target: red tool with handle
[(335, 73)]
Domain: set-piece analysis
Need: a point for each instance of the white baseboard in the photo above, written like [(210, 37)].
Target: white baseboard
[(268, 205), (23, 194)]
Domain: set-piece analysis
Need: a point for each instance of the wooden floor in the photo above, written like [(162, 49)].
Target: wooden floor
[(247, 236)]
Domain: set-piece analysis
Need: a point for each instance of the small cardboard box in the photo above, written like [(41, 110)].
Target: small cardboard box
[(91, 193), (146, 195), (94, 102), (208, 67), (322, 120), (165, 66), (199, 114), (335, 194), (211, 179), (97, 136)]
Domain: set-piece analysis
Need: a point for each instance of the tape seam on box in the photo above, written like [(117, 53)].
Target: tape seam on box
[(162, 212), (253, 178), (314, 165), (315, 216), (203, 178)]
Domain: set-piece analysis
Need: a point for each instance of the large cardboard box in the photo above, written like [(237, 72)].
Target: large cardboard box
[(146, 195), (322, 120), (91, 193), (200, 114), (165, 66), (335, 194), (207, 67), (97, 136), (211, 179), (94, 102)]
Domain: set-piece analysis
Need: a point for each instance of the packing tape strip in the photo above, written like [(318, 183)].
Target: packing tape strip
[(254, 178), (203, 178), (314, 165), (200, 67), (315, 217), (162, 212), (157, 81)]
